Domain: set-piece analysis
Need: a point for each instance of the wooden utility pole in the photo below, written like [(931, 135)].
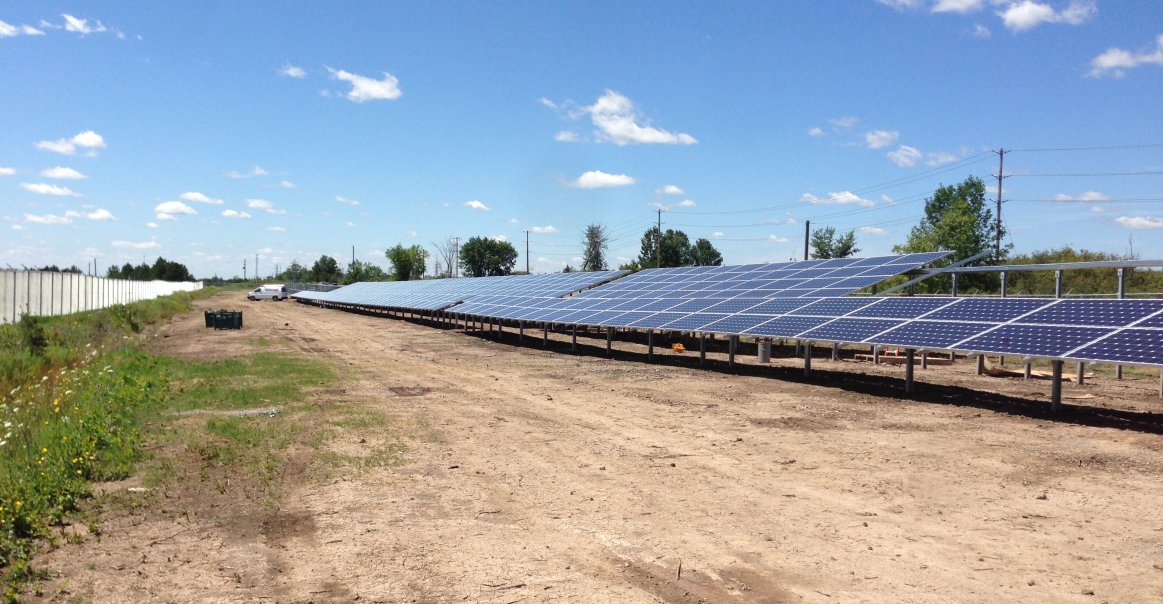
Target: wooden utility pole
[(807, 236), (1001, 158), (256, 266), (526, 252), (658, 243), (455, 257), (244, 269)]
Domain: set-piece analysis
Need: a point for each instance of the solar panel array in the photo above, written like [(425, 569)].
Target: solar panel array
[(438, 294)]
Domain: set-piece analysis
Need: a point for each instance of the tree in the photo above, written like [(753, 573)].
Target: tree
[(445, 257), (483, 257), (294, 273), (162, 269), (957, 218), (596, 241), (363, 271), (825, 244), (675, 249), (703, 253), (326, 270), (408, 263)]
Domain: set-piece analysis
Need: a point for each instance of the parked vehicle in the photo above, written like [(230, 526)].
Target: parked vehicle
[(270, 291)]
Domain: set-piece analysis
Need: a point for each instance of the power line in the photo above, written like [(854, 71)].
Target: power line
[(1060, 174), (1097, 148)]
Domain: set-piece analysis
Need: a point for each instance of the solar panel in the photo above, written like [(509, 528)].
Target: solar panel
[(1133, 346), (1093, 312), (850, 330), (998, 310), (903, 308), (938, 335), (786, 327), (1033, 340)]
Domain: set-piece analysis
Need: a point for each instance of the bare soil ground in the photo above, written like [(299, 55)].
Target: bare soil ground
[(517, 474)]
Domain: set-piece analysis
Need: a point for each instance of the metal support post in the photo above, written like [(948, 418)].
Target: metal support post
[(807, 359), (954, 292), (1122, 294), (545, 335), (924, 359), (1029, 371), (1003, 284), (875, 354), (521, 332), (1056, 387), (835, 351), (573, 341), (798, 344), (1058, 283), (650, 344), (703, 354), (1081, 373), (731, 344), (981, 364), (909, 356)]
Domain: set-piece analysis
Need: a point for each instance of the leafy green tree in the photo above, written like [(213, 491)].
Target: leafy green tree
[(675, 249), (1089, 281), (483, 257), (596, 241), (162, 269), (825, 244), (326, 270), (363, 271), (294, 273), (408, 263), (958, 218), (703, 253)]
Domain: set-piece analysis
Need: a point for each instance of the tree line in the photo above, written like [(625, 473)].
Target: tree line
[(161, 269)]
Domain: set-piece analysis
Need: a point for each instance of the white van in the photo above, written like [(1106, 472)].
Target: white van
[(270, 291)]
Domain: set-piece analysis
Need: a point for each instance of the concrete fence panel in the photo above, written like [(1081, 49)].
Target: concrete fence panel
[(47, 294)]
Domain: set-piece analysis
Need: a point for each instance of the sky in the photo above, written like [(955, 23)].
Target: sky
[(215, 133)]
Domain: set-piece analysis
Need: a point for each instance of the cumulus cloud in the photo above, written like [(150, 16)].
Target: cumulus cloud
[(476, 205), (1139, 222), (980, 31), (717, 234), (777, 238), (543, 229), (8, 30), (100, 214), (68, 146), (82, 26), (878, 139), (1115, 62), (344, 200), (671, 190), (871, 230), (235, 214), (264, 205), (500, 238), (902, 4), (939, 158), (277, 229), (47, 219), (958, 6), (170, 210), (286, 184), (566, 136), (1028, 14), (136, 245), (43, 188), (152, 225), (841, 197), (7, 171), (365, 89), (1084, 196), (596, 179), (617, 120), (687, 203), (513, 221), (292, 71), (905, 156), (256, 171), (62, 173), (845, 122), (197, 197)]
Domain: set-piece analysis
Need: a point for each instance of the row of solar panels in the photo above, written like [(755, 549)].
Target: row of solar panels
[(1119, 331)]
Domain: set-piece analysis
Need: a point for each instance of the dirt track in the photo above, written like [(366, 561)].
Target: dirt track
[(529, 475)]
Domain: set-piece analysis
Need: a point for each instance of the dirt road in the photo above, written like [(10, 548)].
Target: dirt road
[(525, 475)]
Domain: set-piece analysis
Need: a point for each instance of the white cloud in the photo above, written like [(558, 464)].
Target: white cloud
[(349, 224), (777, 238), (256, 171), (815, 132), (543, 229), (887, 200), (841, 197), (980, 31), (100, 214), (1085, 196), (513, 221), (939, 158), (958, 6), (8, 30), (902, 4), (169, 210), (62, 173), (197, 197), (1028, 14), (1139, 222), (286, 184), (264, 205), (1115, 61), (235, 214), (344, 200), (136, 245), (81, 26), (292, 71), (476, 205), (152, 225), (500, 238), (671, 190), (877, 139), (7, 171), (905, 156), (547, 103), (47, 219), (619, 122), (596, 179), (717, 234), (872, 230), (412, 233), (687, 203), (68, 146), (365, 89), (277, 229), (844, 123), (42, 188), (566, 136)]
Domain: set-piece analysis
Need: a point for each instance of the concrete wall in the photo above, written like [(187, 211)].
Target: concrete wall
[(47, 294)]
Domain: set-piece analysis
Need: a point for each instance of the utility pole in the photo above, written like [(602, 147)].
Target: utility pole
[(526, 252), (807, 235), (658, 243), (244, 269), (353, 255), (1001, 158), (455, 257), (256, 267)]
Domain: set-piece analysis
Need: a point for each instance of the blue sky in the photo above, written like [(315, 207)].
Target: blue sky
[(210, 132)]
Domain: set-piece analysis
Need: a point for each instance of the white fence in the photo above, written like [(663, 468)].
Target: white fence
[(45, 293)]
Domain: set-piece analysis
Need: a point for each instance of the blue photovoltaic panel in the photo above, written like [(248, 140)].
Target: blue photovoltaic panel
[(786, 327), (930, 334), (1139, 346), (995, 310), (694, 305), (1154, 321), (834, 307), (902, 308), (1034, 340), (850, 330), (779, 306), (735, 305), (1093, 312), (692, 322), (604, 319), (735, 324), (652, 321)]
